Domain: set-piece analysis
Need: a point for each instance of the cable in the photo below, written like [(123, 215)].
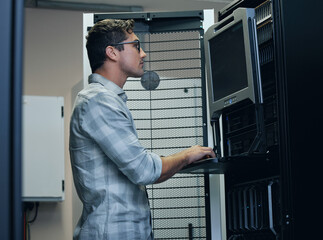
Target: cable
[(36, 213), (24, 225), (28, 207)]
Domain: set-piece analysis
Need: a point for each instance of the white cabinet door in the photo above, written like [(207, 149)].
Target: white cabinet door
[(43, 148)]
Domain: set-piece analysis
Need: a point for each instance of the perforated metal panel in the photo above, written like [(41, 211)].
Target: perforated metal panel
[(170, 119)]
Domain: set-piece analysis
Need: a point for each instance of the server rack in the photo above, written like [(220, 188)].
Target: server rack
[(276, 197), (253, 199)]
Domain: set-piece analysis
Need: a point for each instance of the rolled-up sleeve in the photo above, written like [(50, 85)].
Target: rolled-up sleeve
[(106, 119)]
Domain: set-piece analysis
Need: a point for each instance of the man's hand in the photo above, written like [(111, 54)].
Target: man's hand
[(173, 163), (197, 152)]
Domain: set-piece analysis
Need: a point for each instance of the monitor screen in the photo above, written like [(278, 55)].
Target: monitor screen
[(231, 53), (227, 52)]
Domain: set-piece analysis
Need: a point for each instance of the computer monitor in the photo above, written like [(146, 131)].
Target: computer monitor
[(232, 62)]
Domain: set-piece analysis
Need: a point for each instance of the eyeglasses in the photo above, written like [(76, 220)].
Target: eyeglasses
[(136, 41)]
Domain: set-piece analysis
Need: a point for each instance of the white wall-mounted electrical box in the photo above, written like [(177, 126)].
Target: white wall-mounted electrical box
[(43, 148)]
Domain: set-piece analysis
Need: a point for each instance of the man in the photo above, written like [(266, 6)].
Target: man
[(110, 167)]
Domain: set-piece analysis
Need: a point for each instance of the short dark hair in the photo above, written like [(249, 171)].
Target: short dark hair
[(105, 33)]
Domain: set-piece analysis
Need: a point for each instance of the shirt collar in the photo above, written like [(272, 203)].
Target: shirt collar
[(97, 78)]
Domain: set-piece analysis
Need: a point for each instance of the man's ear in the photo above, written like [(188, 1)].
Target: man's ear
[(111, 53)]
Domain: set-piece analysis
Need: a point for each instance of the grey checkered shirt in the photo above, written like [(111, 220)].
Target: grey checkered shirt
[(110, 167)]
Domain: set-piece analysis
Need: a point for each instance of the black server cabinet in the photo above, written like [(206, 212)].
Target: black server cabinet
[(277, 197), (253, 190)]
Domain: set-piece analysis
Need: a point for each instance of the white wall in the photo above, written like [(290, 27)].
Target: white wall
[(52, 66)]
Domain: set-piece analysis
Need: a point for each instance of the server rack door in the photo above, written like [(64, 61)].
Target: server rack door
[(302, 44)]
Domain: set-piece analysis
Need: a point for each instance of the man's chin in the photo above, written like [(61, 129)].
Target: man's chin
[(137, 75)]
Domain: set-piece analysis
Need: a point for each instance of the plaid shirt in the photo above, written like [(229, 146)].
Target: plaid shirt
[(110, 167)]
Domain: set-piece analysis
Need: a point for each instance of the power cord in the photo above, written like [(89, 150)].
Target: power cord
[(28, 207), (36, 213)]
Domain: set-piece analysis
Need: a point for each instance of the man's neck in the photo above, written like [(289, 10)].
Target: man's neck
[(112, 76)]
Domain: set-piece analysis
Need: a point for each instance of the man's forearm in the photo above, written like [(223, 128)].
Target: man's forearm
[(172, 164)]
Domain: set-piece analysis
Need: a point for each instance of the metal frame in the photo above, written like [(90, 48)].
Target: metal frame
[(11, 43)]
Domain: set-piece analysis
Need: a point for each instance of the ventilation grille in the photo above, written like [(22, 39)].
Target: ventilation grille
[(252, 210), (169, 119)]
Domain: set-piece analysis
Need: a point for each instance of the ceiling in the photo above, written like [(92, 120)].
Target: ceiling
[(128, 5)]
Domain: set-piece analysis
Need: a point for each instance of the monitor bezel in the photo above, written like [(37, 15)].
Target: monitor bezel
[(246, 16)]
